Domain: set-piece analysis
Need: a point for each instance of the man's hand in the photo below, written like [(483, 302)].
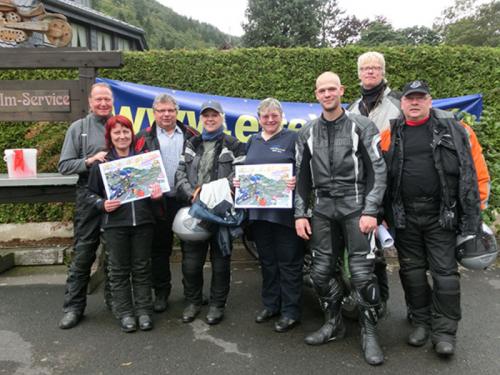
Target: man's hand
[(101, 155), (303, 228), (111, 205), (236, 182), (290, 183), (367, 224)]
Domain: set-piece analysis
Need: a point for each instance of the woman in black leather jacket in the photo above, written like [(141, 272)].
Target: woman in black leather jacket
[(128, 234)]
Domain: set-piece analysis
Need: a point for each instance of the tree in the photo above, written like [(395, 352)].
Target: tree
[(478, 25), (381, 33), (281, 23), (348, 31), (329, 15), (335, 28), (420, 35)]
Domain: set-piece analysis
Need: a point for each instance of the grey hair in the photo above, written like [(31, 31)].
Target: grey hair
[(100, 84), (269, 103), (165, 98), (371, 56)]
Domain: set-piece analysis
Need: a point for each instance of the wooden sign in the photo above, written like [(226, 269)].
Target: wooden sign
[(59, 100), (35, 101)]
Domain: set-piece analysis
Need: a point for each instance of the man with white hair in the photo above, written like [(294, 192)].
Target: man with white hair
[(380, 104)]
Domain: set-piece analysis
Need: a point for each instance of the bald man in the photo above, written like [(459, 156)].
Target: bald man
[(335, 153)]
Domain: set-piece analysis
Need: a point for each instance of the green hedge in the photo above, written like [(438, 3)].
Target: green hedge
[(287, 74)]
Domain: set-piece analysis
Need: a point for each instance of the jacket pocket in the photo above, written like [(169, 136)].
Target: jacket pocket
[(225, 166), (449, 158)]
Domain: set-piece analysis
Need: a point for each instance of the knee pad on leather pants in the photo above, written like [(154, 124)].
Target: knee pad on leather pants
[(322, 274), (328, 292), (369, 292), (416, 287), (364, 281), (447, 296)]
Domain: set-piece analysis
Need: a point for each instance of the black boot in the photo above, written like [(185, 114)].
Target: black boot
[(332, 330), (161, 297), (369, 340)]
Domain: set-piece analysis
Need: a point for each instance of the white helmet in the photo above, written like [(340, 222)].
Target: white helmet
[(188, 228), (477, 252)]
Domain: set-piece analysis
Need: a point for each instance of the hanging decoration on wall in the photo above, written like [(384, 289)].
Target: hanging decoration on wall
[(19, 19)]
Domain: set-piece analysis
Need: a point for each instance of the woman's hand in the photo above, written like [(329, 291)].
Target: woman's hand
[(111, 204), (155, 190), (290, 183), (195, 194), (236, 182)]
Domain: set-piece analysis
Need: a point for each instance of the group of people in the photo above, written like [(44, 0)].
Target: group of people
[(390, 158)]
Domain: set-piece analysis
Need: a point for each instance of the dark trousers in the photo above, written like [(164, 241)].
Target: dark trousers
[(424, 245), (193, 259), (129, 251), (87, 223), (163, 239), (327, 245), (281, 256), (381, 274)]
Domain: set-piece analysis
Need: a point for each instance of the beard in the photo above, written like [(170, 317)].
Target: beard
[(331, 107)]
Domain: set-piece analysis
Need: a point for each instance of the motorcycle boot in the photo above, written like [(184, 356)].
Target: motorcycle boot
[(369, 340), (332, 330)]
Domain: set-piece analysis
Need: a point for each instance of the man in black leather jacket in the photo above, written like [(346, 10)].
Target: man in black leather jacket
[(432, 193), (168, 135), (335, 155)]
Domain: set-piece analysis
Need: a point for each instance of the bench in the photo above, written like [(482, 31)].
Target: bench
[(44, 188)]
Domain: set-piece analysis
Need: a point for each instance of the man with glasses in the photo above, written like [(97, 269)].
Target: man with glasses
[(168, 135), (380, 104), (432, 194)]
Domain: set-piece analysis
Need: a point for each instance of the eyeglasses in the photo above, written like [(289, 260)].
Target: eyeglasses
[(372, 68)]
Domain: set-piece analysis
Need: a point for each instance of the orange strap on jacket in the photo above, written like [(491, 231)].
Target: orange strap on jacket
[(483, 177)]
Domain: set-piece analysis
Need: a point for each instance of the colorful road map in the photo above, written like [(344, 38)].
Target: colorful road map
[(129, 179), (263, 186)]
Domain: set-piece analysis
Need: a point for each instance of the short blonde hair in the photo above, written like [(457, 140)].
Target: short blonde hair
[(371, 56), (269, 103)]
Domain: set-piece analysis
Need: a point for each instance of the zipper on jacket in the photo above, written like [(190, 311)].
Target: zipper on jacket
[(133, 214)]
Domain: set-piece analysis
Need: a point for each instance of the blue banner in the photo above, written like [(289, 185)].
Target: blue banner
[(134, 101)]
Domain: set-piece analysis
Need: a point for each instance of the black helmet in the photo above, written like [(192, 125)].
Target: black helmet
[(477, 252), (188, 228)]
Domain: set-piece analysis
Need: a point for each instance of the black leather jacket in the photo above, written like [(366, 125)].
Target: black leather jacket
[(229, 151), (340, 159), (460, 203)]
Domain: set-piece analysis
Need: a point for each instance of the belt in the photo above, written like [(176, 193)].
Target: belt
[(424, 199)]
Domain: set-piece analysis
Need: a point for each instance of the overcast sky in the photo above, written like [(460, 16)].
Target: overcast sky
[(227, 15)]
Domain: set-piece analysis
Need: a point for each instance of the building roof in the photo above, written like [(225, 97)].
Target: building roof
[(84, 14)]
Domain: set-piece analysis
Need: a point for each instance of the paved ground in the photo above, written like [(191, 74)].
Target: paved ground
[(31, 343)]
